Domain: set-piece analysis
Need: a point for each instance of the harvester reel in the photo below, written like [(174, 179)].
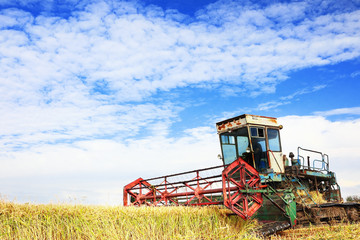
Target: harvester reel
[(240, 184), (137, 190)]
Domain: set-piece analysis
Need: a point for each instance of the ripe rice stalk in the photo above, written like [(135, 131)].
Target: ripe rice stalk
[(65, 221)]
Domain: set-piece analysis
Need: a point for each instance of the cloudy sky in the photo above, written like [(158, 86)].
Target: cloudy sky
[(94, 94)]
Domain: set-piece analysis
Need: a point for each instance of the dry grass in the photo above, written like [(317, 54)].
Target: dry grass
[(61, 221)]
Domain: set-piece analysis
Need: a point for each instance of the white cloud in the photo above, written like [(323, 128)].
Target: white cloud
[(339, 111), (355, 74), (99, 169), (33, 125), (286, 12), (274, 104), (138, 54), (270, 105), (303, 91)]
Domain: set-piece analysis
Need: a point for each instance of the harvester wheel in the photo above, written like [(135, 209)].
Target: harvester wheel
[(240, 182)]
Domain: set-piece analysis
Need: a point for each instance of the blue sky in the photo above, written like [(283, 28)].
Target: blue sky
[(94, 94)]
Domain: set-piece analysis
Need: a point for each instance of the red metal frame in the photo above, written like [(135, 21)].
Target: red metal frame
[(196, 191), (137, 197), (235, 187), (240, 182)]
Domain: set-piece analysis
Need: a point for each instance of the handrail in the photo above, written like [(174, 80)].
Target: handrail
[(324, 160)]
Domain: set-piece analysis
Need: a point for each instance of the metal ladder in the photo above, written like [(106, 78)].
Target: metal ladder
[(302, 198)]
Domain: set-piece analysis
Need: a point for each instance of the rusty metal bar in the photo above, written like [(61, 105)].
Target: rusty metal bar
[(183, 173), (181, 182), (190, 193)]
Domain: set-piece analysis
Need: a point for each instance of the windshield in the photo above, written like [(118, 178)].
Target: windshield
[(234, 144)]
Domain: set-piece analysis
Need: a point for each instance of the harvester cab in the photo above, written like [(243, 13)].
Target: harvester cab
[(254, 180), (256, 139)]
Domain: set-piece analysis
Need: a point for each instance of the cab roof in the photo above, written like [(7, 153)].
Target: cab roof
[(245, 119)]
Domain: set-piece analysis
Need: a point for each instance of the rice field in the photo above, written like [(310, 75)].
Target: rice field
[(65, 221), (61, 221)]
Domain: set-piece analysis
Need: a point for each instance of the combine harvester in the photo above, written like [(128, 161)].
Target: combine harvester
[(255, 180)]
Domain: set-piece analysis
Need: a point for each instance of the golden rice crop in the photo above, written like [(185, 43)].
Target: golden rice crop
[(65, 221), (62, 221)]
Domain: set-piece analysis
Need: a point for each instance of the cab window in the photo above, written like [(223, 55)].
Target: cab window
[(257, 132), (228, 148), (274, 140)]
